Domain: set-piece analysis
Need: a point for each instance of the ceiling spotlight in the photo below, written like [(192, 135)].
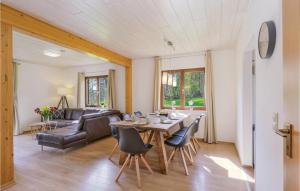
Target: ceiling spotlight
[(53, 53)]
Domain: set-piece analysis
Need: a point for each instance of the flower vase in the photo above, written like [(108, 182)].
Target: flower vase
[(46, 119)]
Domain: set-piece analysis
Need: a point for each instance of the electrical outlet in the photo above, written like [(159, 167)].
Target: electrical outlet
[(275, 120)]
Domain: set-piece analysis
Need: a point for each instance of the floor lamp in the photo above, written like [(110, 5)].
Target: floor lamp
[(63, 100)]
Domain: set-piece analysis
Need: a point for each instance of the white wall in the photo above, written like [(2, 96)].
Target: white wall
[(142, 84), (36, 87), (224, 82), (269, 97), (70, 79)]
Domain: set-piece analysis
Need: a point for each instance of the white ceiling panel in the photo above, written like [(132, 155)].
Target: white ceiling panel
[(137, 28), (27, 49)]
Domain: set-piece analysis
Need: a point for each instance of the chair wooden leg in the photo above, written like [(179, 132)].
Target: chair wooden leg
[(131, 159), (197, 142), (190, 153), (146, 164), (137, 167), (112, 152), (123, 167), (194, 146), (172, 155), (184, 163), (187, 155)]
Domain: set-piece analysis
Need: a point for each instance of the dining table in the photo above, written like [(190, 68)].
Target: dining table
[(158, 126)]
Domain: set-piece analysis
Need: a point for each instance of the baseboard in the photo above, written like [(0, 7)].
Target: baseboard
[(8, 185), (223, 142), (26, 132)]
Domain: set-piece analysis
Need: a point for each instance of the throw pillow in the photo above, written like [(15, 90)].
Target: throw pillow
[(58, 114)]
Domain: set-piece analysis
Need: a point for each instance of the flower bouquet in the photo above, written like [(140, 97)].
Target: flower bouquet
[(46, 112)]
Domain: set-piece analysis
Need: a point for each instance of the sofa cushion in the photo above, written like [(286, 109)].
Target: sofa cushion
[(90, 111), (68, 113), (64, 123), (76, 114), (110, 112), (61, 136), (58, 114)]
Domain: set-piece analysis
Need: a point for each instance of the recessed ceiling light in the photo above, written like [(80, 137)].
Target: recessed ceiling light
[(52, 53)]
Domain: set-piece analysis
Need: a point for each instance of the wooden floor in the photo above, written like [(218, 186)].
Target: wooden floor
[(87, 168)]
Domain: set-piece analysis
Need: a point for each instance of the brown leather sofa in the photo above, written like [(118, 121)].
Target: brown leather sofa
[(78, 127)]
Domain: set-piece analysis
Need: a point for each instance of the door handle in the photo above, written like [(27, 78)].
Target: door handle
[(287, 133)]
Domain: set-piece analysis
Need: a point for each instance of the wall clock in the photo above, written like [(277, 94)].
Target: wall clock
[(267, 39)]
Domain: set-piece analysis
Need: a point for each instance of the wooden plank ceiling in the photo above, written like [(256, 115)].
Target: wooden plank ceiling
[(136, 28)]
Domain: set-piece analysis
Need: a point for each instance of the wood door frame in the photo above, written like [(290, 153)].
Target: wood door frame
[(15, 20), (291, 88)]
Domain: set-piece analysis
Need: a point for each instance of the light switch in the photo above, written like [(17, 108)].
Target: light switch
[(275, 120)]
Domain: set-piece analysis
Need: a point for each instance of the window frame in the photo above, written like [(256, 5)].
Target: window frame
[(98, 89), (182, 97)]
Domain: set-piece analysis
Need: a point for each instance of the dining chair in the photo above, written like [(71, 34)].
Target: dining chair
[(194, 140), (127, 116), (131, 143), (179, 143), (195, 130), (138, 114), (114, 132)]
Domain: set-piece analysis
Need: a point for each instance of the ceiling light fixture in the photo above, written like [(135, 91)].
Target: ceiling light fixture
[(53, 53), (168, 78)]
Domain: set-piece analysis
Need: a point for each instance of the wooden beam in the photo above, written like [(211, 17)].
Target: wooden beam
[(6, 107), (12, 19), (43, 30), (40, 29), (128, 86)]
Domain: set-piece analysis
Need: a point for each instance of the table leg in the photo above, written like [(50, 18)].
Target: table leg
[(161, 151), (150, 137)]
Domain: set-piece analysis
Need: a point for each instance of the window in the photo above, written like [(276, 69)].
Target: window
[(96, 91), (183, 88)]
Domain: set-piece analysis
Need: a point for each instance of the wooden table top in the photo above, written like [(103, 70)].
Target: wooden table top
[(154, 123)]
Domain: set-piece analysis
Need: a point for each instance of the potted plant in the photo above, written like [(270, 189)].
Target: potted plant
[(102, 105)]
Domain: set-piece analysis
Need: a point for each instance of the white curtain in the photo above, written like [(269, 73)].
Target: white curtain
[(111, 89), (209, 130), (17, 128), (81, 90), (157, 84)]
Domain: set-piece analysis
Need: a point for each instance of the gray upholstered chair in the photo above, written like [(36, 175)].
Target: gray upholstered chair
[(138, 114), (127, 116), (180, 142), (114, 132), (194, 140), (131, 143)]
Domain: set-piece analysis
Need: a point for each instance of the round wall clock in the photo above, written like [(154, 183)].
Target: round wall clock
[(267, 39)]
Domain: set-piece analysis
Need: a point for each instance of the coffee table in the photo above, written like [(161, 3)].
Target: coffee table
[(42, 126)]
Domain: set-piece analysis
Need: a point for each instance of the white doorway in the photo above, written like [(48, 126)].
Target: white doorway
[(248, 108), (253, 108)]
